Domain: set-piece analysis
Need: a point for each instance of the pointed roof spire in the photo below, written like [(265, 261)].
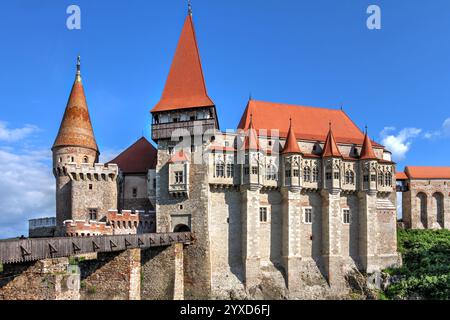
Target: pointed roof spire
[(367, 152), (189, 8), (291, 145), (330, 149), (76, 127), (185, 86), (251, 141)]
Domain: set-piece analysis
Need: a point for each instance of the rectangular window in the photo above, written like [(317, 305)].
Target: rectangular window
[(154, 183), (287, 173), (92, 214), (246, 170), (366, 178), (263, 214), (90, 186), (254, 170), (336, 175), (296, 173), (179, 178), (373, 178), (308, 215), (230, 170), (170, 150), (329, 175), (135, 192), (346, 216)]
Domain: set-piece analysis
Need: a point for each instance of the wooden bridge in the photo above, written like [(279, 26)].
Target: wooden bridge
[(17, 251)]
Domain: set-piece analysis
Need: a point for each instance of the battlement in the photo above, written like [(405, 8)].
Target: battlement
[(84, 228), (128, 221), (96, 172)]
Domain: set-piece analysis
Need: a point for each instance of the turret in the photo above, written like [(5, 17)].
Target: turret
[(368, 166), (291, 159), (251, 173), (332, 159), (75, 144), (185, 107)]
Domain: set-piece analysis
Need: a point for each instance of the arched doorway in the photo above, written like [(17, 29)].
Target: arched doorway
[(438, 206), (422, 206), (181, 228)]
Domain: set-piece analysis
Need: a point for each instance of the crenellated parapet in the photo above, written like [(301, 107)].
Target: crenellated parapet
[(83, 228), (89, 172)]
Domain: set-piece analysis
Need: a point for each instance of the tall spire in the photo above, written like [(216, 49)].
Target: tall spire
[(185, 86), (367, 152), (76, 127), (330, 149), (78, 76), (291, 145)]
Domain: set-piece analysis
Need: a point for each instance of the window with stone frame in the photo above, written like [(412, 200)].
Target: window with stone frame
[(373, 177), (349, 177), (179, 177), (263, 214), (315, 175), (308, 215), (271, 172), (329, 175), (254, 170), (230, 170), (380, 179), (92, 214), (220, 169), (346, 216), (134, 192), (296, 173), (388, 179), (307, 174), (366, 178), (246, 170), (337, 175)]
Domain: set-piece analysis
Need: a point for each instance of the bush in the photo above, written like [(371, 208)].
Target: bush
[(425, 272)]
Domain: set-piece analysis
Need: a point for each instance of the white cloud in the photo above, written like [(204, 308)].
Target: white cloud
[(13, 135), (399, 144), (443, 132), (27, 190), (107, 155)]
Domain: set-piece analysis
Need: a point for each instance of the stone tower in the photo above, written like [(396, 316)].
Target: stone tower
[(74, 145), (182, 119)]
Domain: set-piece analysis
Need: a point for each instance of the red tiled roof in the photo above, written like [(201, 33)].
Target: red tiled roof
[(179, 156), (414, 172), (330, 149), (401, 176), (140, 157), (367, 152), (312, 123), (76, 127), (185, 86), (291, 145)]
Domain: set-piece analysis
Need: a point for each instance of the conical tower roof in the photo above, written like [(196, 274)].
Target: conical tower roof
[(76, 127), (367, 152), (185, 86), (330, 149), (291, 145)]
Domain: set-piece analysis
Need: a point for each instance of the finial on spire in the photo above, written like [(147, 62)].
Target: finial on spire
[(189, 8), (78, 77), (366, 128), (329, 124)]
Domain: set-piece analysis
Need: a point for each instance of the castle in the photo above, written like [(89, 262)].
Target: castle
[(296, 196)]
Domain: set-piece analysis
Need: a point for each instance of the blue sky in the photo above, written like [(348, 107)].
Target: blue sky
[(310, 52)]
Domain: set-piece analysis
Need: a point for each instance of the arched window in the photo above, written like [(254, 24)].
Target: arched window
[(181, 228), (422, 205), (220, 170), (307, 174), (380, 179), (271, 172), (85, 159), (388, 179), (438, 205)]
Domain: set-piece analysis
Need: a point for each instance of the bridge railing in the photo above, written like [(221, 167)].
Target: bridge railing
[(16, 251)]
